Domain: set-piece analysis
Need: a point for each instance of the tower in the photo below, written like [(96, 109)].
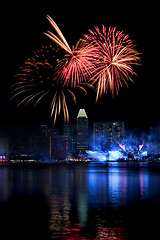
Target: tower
[(82, 131), (69, 132), (105, 134)]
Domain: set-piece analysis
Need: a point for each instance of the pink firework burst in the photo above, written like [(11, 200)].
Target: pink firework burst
[(114, 59), (76, 67), (77, 64)]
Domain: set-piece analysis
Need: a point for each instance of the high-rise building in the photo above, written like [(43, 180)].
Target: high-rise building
[(118, 131), (105, 134), (82, 131), (35, 145), (101, 136), (53, 144), (48, 135), (70, 134)]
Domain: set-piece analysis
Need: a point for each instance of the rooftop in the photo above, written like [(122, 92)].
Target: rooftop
[(82, 114)]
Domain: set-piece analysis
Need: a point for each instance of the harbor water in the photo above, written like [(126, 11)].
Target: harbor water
[(111, 201)]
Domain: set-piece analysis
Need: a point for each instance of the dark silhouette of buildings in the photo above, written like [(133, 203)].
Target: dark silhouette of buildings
[(49, 143), (70, 138)]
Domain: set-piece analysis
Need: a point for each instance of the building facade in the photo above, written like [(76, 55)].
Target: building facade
[(70, 135), (52, 144), (82, 131), (105, 135)]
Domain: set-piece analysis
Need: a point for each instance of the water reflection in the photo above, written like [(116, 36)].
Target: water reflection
[(59, 216), (108, 186), (87, 190), (80, 202)]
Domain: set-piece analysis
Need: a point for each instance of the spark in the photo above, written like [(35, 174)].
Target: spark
[(37, 81), (77, 63), (62, 41), (114, 59)]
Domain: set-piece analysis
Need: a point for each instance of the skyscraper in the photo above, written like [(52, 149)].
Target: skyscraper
[(69, 132), (118, 131), (50, 140), (105, 134), (102, 132), (82, 130)]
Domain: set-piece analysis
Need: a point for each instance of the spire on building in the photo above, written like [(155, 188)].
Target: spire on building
[(82, 114)]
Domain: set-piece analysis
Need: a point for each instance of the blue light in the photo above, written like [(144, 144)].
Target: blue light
[(115, 155), (144, 154), (98, 156), (102, 156)]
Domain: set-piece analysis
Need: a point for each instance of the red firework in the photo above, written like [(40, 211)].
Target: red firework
[(77, 65)]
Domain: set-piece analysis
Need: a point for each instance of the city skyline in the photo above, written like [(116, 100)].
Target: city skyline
[(83, 139)]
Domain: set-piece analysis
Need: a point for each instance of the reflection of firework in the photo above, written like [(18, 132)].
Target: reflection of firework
[(116, 55), (36, 80)]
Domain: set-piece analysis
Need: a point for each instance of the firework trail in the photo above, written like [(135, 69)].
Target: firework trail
[(141, 145), (122, 146), (36, 81), (114, 59), (60, 41), (77, 64)]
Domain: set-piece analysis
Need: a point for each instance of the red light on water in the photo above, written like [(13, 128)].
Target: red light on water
[(75, 229)]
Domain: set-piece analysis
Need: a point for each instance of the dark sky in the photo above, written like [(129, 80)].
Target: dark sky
[(22, 32)]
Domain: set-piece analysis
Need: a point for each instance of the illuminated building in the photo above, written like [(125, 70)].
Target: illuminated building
[(48, 138), (105, 134), (101, 135), (118, 131), (69, 132), (52, 144), (82, 131), (45, 141)]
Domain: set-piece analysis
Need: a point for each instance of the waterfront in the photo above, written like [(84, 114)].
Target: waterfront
[(114, 201)]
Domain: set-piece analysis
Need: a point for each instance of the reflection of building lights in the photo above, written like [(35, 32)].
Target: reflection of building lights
[(101, 233), (59, 221), (74, 233), (110, 233)]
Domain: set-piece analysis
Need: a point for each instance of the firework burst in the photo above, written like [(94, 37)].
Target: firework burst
[(114, 59), (77, 64), (36, 81)]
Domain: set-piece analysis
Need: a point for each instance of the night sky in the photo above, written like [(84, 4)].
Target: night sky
[(22, 32)]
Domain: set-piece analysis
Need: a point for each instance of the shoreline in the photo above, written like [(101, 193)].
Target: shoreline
[(109, 164)]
